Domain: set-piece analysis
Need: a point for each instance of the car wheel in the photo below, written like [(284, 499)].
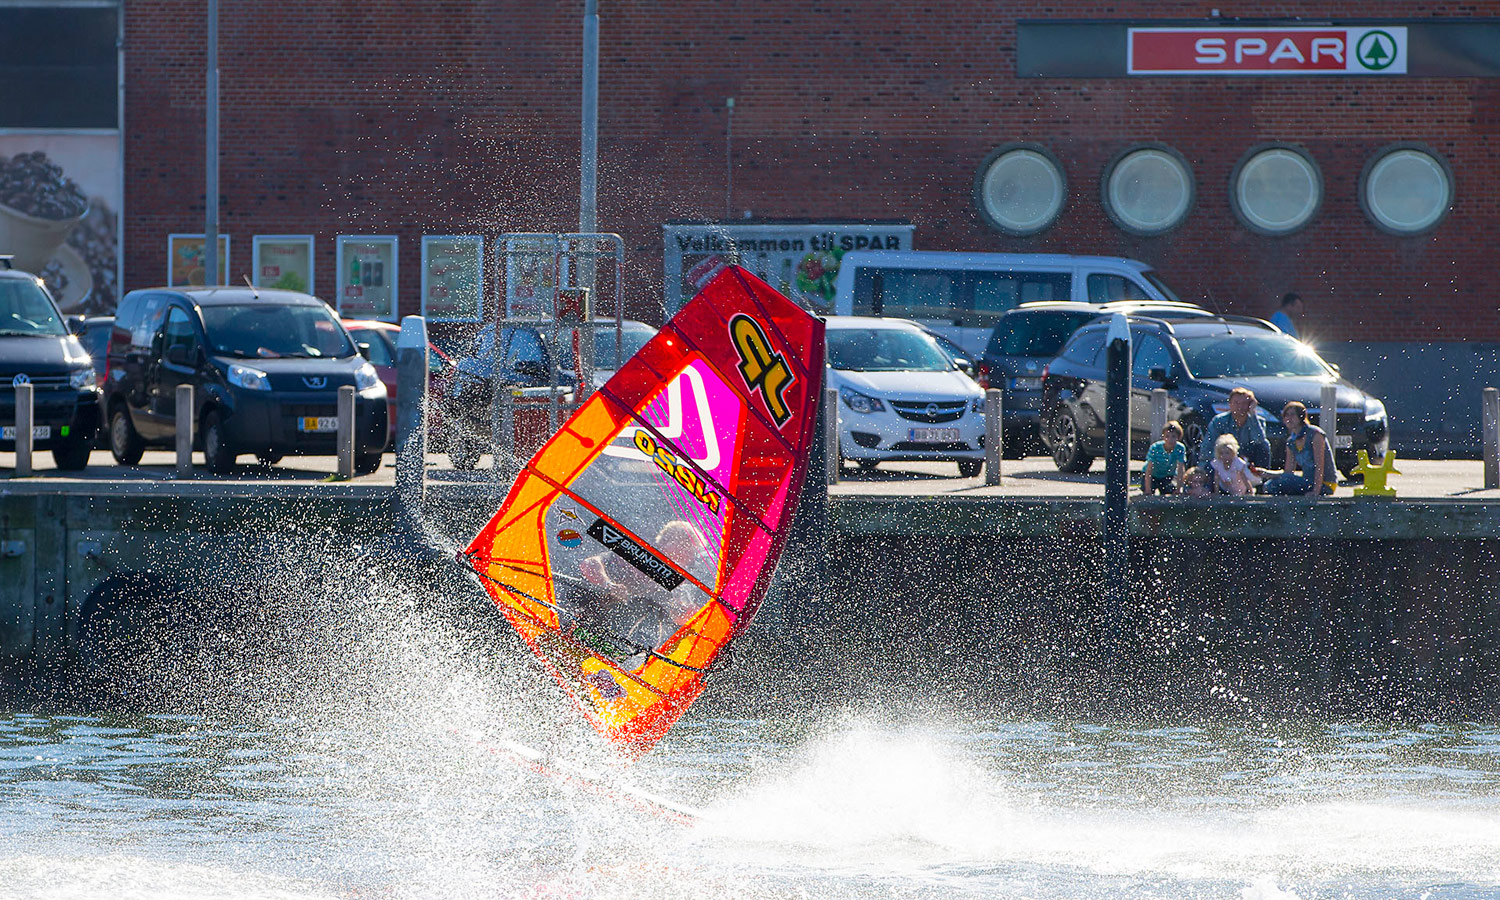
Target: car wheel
[(368, 463), (463, 450), (72, 454), (268, 459), (217, 453), (1067, 444), (124, 443), (968, 468)]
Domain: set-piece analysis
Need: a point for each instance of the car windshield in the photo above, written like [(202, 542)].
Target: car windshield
[(632, 338), (25, 310), (1036, 334), (268, 331), (1249, 355), (885, 350)]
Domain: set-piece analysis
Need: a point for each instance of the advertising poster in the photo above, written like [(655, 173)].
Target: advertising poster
[(185, 260), (453, 278), (531, 275), (283, 261), (367, 277), (60, 150), (799, 259)]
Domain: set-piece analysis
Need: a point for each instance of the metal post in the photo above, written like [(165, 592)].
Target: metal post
[(994, 435), (211, 152), (411, 412), (25, 416), (346, 431), (1158, 412), (184, 425), (1117, 466), (834, 461), (1328, 416), (589, 151), (1491, 426)]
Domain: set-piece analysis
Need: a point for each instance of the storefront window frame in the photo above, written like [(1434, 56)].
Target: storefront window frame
[(1380, 156), (1116, 216), (1250, 156)]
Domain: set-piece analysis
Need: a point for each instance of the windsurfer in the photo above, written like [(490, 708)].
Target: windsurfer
[(639, 607)]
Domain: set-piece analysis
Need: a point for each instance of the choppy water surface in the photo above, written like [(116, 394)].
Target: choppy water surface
[(395, 801)]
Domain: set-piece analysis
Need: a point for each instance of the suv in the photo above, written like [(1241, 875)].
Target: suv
[(1028, 337), (266, 366), (37, 348), (1199, 361)]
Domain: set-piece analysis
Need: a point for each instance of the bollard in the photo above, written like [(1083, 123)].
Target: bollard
[(1328, 416), (411, 412), (1117, 466), (835, 462), (994, 435), (1491, 426), (1158, 413), (346, 431), (184, 424), (25, 416)]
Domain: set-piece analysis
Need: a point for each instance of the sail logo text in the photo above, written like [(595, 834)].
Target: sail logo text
[(762, 369), (646, 562), (690, 480)]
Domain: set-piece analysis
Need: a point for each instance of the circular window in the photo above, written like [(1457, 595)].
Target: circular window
[(1148, 190), (1020, 189), (1406, 190), (1276, 190)]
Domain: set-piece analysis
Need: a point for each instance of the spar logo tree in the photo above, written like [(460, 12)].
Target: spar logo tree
[(1376, 50)]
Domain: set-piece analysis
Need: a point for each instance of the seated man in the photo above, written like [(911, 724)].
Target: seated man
[(1241, 421)]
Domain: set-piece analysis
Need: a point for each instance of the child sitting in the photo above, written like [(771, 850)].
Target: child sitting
[(1166, 462), (1231, 474)]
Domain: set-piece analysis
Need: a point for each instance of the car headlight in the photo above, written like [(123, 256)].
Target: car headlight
[(78, 379), (365, 378), (859, 402), (250, 379), (1374, 409)]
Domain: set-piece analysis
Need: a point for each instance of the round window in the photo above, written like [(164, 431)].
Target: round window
[(1276, 190), (1406, 190), (1020, 189), (1148, 190)]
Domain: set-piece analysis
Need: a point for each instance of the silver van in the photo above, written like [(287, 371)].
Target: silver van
[(963, 295)]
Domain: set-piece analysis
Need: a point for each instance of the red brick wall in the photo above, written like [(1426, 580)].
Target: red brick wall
[(462, 116)]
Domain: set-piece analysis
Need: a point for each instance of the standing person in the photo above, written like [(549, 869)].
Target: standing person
[(1239, 420), (1291, 305), (1166, 462), (1307, 449), (1231, 474)]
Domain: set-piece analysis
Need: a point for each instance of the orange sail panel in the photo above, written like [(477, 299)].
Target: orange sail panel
[(639, 541)]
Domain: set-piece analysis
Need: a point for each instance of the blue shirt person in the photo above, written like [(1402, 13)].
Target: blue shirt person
[(1291, 304), (1166, 462), (1309, 451), (1241, 421)]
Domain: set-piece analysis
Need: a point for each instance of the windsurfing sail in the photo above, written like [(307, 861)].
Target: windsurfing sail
[(640, 539)]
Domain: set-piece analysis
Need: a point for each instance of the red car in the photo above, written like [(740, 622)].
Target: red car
[(380, 338)]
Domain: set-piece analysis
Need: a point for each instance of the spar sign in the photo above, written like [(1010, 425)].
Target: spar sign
[(1329, 50)]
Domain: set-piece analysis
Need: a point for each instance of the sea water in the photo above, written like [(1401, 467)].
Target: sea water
[(411, 800)]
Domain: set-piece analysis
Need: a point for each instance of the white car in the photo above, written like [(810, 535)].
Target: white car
[(901, 397)]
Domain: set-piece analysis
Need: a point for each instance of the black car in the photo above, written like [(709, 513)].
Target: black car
[(1027, 338), (36, 348), (266, 366), (1199, 361)]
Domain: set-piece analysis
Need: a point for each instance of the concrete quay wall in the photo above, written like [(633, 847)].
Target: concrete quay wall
[(1339, 607)]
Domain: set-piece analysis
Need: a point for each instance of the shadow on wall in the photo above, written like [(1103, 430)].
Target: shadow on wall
[(1431, 390)]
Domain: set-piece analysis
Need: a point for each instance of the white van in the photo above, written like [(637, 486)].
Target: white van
[(962, 295)]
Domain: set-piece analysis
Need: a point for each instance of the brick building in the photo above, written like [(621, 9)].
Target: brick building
[(385, 118)]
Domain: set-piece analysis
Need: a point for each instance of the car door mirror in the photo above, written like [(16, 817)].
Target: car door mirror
[(1159, 375), (177, 355), (364, 348)]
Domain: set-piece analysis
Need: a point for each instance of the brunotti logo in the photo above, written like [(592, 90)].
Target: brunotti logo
[(316, 382), (20, 379), (638, 556)]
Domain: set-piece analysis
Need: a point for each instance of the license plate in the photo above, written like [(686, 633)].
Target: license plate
[(1343, 441), (1026, 383), (38, 432), (934, 435), (318, 423)]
